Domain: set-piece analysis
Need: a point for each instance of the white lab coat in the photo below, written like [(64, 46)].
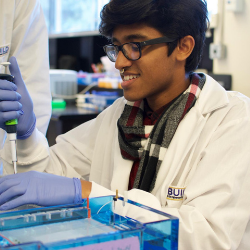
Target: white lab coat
[(23, 34), (209, 157)]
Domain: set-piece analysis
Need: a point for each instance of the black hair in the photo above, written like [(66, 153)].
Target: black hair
[(173, 18)]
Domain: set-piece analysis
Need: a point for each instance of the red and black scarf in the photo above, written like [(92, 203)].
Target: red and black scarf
[(149, 143)]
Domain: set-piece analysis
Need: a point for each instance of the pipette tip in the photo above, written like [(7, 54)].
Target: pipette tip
[(14, 164)]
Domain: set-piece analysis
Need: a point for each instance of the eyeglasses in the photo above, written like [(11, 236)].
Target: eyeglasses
[(132, 51)]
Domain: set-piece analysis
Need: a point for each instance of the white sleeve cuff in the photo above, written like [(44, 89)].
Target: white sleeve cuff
[(98, 190), (30, 150)]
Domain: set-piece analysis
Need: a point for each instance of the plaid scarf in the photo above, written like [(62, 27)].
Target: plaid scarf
[(149, 143)]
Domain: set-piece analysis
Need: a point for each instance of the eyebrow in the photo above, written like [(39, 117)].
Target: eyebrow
[(130, 37)]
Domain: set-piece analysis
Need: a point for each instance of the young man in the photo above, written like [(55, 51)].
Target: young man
[(177, 140)]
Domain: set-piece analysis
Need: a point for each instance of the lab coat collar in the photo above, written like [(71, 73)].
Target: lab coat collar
[(212, 97), (219, 99)]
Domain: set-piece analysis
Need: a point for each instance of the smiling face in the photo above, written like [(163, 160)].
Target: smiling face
[(155, 76)]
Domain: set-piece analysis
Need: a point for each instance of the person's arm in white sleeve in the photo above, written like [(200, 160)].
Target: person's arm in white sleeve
[(29, 44), (71, 156)]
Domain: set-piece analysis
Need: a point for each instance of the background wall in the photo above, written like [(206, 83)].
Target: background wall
[(234, 31)]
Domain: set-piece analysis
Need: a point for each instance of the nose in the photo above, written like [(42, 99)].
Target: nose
[(122, 62)]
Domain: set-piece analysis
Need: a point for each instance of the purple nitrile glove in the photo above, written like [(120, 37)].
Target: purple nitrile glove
[(38, 188), (26, 122), (10, 107)]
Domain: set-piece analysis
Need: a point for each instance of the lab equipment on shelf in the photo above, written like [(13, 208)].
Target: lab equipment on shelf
[(85, 78), (63, 83), (74, 225), (102, 80), (98, 100)]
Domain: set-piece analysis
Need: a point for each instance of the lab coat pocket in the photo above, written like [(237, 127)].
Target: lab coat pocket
[(175, 196)]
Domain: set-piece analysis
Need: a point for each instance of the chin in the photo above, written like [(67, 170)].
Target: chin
[(131, 98)]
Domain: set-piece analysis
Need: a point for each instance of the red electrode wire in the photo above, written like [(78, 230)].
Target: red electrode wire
[(7, 239), (89, 211)]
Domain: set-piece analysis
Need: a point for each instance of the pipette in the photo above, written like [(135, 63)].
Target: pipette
[(11, 125)]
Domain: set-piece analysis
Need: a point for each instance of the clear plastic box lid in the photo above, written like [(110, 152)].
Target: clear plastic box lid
[(82, 228)]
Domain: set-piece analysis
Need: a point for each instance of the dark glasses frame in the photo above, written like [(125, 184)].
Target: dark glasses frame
[(118, 48)]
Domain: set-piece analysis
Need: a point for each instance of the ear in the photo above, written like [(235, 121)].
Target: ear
[(185, 48)]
